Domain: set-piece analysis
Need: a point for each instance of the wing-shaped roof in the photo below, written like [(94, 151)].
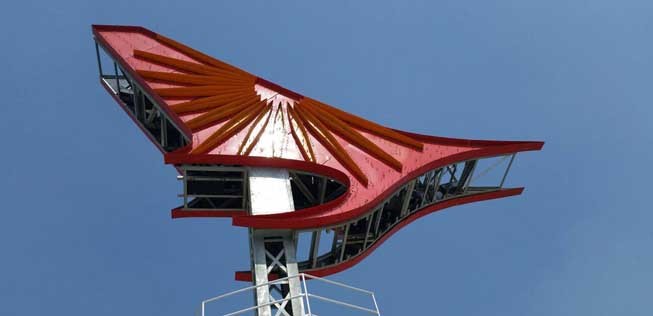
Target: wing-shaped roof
[(231, 116)]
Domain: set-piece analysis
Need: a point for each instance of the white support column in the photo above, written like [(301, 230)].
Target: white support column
[(273, 250)]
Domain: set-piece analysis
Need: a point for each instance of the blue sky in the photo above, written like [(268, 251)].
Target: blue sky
[(86, 224)]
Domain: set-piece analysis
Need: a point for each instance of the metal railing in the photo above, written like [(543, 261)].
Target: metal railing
[(304, 295)]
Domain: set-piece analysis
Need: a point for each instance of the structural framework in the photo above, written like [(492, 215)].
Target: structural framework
[(286, 165)]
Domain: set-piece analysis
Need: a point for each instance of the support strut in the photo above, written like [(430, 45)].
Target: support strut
[(273, 251)]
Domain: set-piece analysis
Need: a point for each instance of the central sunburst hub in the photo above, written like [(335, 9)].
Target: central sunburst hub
[(207, 93)]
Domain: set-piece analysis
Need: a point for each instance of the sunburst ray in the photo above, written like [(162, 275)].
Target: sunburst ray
[(260, 132), (351, 135), (208, 103), (218, 115), (233, 126), (178, 64), (197, 55), (186, 79), (304, 135), (374, 128), (323, 135), (219, 92)]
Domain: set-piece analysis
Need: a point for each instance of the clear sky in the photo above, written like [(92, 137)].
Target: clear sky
[(85, 222)]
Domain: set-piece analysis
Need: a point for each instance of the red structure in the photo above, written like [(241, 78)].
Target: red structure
[(352, 178)]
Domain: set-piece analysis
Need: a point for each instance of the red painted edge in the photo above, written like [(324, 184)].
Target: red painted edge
[(247, 276), (275, 87), (289, 220), (535, 145), (123, 28)]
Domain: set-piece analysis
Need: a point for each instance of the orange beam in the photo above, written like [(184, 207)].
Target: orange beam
[(298, 141), (209, 103), (324, 136), (176, 63), (219, 114), (233, 126), (199, 56), (369, 126), (192, 67), (199, 91), (210, 70), (302, 128), (258, 135), (183, 79), (353, 136), (249, 132)]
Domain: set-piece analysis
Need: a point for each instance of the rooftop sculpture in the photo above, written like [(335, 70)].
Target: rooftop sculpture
[(281, 163)]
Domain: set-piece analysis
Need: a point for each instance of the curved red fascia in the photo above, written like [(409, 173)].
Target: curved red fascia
[(324, 215), (532, 145), (179, 158), (321, 272)]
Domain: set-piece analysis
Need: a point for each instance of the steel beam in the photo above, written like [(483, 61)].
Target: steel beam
[(270, 192), (409, 193), (507, 169), (302, 187)]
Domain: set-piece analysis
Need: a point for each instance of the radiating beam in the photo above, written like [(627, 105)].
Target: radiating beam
[(187, 79), (308, 155), (199, 56), (219, 114), (354, 137), (323, 135), (246, 150), (208, 103), (200, 91), (179, 64), (372, 127), (233, 126)]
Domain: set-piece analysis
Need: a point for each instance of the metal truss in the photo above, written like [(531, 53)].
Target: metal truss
[(273, 254), (224, 188), (214, 188), (434, 186), (141, 106)]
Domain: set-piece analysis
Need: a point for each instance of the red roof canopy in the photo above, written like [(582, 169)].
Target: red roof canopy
[(233, 117)]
